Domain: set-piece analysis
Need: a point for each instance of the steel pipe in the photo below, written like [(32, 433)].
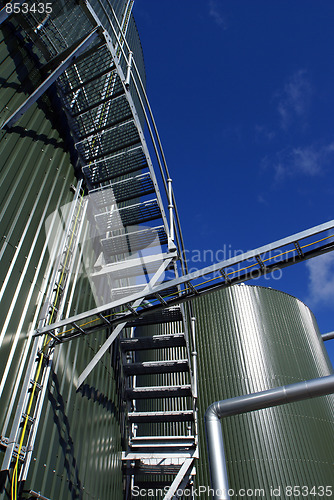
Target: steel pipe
[(327, 336), (243, 404)]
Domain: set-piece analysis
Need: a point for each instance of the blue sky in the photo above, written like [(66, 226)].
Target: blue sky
[(243, 95)]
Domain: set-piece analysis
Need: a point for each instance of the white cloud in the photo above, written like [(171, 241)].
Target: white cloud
[(294, 100), (216, 14), (307, 161), (264, 132), (321, 279), (261, 199)]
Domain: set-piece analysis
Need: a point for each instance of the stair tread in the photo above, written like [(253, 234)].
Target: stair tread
[(161, 416), (162, 438), (133, 241), (129, 216), (160, 447), (157, 455), (128, 161), (147, 367), (159, 387), (123, 190), (151, 469), (154, 342), (158, 391)]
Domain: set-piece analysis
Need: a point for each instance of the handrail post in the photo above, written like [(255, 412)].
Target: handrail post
[(171, 209), (128, 75), (194, 355)]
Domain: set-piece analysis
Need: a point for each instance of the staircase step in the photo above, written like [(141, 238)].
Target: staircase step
[(131, 215), (162, 439), (153, 485), (128, 161), (109, 142), (150, 469), (166, 458), (148, 367), (163, 316), (158, 392), (78, 112), (161, 416), (71, 90), (162, 442), (127, 272), (131, 267), (155, 342), (132, 187), (133, 241)]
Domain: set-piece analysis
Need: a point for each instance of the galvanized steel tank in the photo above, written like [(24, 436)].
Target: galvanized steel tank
[(252, 339)]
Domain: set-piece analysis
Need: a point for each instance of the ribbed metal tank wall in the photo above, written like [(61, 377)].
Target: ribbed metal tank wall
[(251, 339), (36, 175), (77, 450)]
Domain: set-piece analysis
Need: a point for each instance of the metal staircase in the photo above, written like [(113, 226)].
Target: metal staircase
[(160, 390)]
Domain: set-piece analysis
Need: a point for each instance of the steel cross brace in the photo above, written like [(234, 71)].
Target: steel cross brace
[(215, 268), (183, 473), (69, 59), (120, 327)]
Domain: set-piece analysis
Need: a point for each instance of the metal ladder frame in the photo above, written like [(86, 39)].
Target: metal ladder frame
[(14, 443)]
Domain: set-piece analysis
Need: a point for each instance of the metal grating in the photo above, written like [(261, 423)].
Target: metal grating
[(162, 316), (103, 115), (96, 92), (111, 141), (134, 241), (129, 216), (144, 269), (92, 67), (126, 189), (127, 161), (59, 30)]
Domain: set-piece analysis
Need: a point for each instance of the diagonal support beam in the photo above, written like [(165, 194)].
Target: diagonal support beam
[(184, 470), (81, 46), (101, 352), (215, 268)]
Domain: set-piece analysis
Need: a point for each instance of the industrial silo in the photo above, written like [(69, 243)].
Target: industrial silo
[(251, 339)]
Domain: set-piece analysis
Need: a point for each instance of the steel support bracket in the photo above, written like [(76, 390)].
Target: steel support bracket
[(4, 443)]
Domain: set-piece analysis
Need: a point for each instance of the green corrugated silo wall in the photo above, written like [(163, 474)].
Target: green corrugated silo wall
[(250, 339), (77, 449)]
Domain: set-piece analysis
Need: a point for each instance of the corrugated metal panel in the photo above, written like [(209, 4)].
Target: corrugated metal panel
[(252, 339), (77, 451)]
